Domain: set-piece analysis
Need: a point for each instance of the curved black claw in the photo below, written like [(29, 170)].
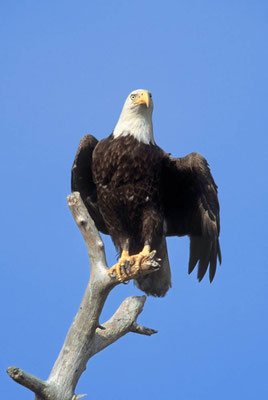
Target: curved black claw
[(127, 265)]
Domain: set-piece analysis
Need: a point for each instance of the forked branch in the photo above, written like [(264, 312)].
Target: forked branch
[(86, 337)]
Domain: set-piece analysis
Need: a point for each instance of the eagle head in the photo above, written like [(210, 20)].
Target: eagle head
[(136, 117)]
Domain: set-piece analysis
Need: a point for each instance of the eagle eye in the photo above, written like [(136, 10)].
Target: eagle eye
[(132, 96)]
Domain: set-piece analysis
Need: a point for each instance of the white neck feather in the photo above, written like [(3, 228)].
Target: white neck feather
[(137, 124)]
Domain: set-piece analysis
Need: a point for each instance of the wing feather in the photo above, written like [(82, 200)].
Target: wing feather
[(82, 180), (191, 208)]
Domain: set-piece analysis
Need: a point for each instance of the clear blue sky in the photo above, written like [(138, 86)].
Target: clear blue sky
[(66, 68)]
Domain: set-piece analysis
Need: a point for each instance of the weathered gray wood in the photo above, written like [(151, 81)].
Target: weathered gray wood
[(31, 382), (85, 337)]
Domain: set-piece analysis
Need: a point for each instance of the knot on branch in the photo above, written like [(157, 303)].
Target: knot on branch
[(81, 222)]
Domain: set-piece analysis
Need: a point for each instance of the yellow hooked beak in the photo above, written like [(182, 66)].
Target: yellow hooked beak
[(143, 98)]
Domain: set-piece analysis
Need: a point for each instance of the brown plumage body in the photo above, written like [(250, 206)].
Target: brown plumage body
[(128, 178)]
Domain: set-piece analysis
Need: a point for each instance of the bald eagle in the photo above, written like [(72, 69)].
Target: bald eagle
[(138, 194)]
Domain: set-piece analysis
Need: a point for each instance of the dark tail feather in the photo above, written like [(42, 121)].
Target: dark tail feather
[(157, 283)]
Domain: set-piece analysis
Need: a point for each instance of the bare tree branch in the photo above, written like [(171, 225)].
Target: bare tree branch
[(31, 382), (86, 337)]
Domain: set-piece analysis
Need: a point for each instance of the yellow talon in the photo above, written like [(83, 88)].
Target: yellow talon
[(133, 264)]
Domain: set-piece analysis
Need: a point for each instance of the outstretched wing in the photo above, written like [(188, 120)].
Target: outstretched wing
[(191, 208), (82, 180)]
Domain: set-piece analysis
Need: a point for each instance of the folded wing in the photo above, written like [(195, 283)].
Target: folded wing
[(82, 180), (191, 208)]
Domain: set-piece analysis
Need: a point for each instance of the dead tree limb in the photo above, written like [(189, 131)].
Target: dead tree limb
[(86, 337)]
